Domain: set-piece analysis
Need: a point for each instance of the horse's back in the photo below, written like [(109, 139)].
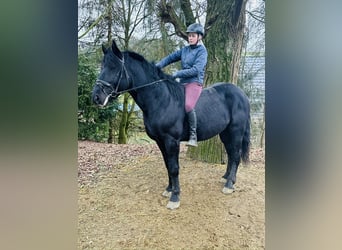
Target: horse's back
[(218, 106), (234, 99), (222, 95), (229, 90)]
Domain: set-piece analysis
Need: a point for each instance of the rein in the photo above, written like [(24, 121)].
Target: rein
[(115, 92)]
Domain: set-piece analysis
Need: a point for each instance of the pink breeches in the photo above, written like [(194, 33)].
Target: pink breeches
[(192, 93)]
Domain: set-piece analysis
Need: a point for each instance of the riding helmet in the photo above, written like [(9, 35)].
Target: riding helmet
[(195, 28)]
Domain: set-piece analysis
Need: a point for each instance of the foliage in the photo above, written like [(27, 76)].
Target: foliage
[(92, 121)]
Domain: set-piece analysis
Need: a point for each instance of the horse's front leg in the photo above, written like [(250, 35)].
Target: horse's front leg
[(170, 152), (167, 192), (173, 172)]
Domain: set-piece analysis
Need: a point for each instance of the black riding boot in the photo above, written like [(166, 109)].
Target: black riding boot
[(192, 128)]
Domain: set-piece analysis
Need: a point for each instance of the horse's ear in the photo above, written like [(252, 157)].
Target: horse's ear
[(116, 50), (104, 49)]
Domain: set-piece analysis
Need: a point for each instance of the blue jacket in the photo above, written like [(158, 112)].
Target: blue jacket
[(193, 61)]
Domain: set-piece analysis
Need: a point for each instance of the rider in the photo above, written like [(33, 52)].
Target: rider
[(193, 60)]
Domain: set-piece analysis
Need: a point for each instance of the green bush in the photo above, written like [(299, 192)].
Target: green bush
[(92, 121)]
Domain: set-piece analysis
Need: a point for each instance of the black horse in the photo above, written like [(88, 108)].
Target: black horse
[(222, 109)]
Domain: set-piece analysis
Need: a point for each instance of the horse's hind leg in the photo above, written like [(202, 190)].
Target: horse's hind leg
[(232, 140)]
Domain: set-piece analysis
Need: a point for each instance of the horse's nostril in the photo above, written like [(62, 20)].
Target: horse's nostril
[(96, 99)]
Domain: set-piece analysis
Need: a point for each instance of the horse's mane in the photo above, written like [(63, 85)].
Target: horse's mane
[(136, 56), (155, 73)]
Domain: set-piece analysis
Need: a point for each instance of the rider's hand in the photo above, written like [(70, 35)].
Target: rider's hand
[(174, 75)]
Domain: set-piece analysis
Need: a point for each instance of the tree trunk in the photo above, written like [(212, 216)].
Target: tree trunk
[(130, 21), (225, 24), (262, 138), (109, 21), (111, 131), (123, 123), (237, 28)]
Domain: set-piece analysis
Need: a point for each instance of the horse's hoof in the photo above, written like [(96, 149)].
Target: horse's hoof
[(226, 190), (223, 180), (167, 194), (173, 204)]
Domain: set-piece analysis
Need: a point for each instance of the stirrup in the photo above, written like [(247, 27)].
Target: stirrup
[(192, 143)]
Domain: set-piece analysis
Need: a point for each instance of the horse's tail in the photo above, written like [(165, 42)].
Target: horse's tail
[(246, 141)]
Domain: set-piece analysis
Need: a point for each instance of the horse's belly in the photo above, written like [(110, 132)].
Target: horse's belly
[(211, 124), (206, 131), (161, 129)]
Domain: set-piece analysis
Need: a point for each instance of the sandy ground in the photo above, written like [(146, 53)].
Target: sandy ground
[(121, 206)]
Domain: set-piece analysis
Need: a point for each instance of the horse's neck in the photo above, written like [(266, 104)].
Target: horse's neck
[(147, 99), (153, 97), (158, 99)]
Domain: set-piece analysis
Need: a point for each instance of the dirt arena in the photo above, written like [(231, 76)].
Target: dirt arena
[(120, 204)]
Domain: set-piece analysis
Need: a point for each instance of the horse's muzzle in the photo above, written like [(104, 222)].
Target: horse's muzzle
[(97, 101)]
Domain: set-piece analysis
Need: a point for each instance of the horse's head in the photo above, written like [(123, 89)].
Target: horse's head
[(113, 77)]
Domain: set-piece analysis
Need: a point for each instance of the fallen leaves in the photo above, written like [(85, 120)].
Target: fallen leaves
[(94, 157)]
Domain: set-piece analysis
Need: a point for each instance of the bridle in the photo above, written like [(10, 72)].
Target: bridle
[(114, 92)]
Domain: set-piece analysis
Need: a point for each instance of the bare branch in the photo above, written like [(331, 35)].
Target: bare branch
[(186, 8), (92, 26), (168, 15), (256, 17)]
